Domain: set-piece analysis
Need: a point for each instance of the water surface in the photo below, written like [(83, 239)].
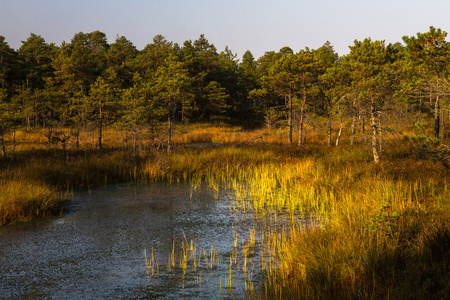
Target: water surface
[(97, 249)]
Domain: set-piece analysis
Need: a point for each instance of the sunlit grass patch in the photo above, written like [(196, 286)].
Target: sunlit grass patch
[(392, 255), (382, 230), (31, 182), (205, 162), (378, 224), (22, 201)]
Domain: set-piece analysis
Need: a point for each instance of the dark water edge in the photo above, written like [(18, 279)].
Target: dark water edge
[(96, 251)]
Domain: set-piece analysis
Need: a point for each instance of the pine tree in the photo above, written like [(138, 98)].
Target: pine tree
[(429, 56)]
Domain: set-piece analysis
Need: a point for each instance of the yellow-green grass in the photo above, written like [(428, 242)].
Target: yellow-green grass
[(385, 229), (40, 177), (62, 171), (23, 201), (217, 163), (220, 133)]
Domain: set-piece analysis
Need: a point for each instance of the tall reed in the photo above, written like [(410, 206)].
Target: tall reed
[(384, 229), (377, 227)]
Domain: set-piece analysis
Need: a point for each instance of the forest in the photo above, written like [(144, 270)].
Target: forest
[(89, 84), (359, 141)]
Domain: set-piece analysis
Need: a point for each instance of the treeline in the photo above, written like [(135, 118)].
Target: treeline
[(89, 83)]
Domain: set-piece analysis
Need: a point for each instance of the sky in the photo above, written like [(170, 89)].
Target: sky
[(255, 25)]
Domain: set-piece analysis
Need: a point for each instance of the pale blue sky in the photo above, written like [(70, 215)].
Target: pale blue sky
[(255, 25)]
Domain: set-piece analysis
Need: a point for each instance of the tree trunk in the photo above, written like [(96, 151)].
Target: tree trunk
[(329, 129), (290, 119), (448, 121), (169, 134), (363, 124), (182, 111), (2, 140), (302, 108), (134, 141), (436, 118), (373, 125), (49, 137), (100, 125), (340, 130), (78, 136), (14, 143), (353, 130), (380, 133), (100, 130), (300, 128)]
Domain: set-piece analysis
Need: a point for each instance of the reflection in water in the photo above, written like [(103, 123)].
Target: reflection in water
[(98, 249)]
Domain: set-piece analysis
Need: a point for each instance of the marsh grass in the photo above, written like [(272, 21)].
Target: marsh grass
[(21, 203), (35, 181), (195, 264), (402, 257), (383, 230), (63, 171)]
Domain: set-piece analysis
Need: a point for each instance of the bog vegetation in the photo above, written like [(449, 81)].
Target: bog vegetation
[(360, 140)]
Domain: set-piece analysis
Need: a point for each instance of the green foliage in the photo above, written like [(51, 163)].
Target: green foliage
[(136, 107), (170, 84), (385, 222), (8, 113), (428, 148), (271, 117), (309, 84), (367, 64), (427, 70), (428, 50), (119, 59), (36, 58), (7, 63)]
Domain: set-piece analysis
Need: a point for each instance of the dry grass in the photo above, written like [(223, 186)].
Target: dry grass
[(385, 228), (22, 201)]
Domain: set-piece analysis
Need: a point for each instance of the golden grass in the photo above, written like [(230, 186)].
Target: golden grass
[(35, 179), (384, 228), (377, 223), (22, 201)]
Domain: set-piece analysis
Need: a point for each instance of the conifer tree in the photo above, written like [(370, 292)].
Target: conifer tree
[(170, 91), (429, 57), (367, 66)]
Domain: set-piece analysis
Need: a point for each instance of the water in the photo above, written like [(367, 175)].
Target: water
[(97, 250)]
